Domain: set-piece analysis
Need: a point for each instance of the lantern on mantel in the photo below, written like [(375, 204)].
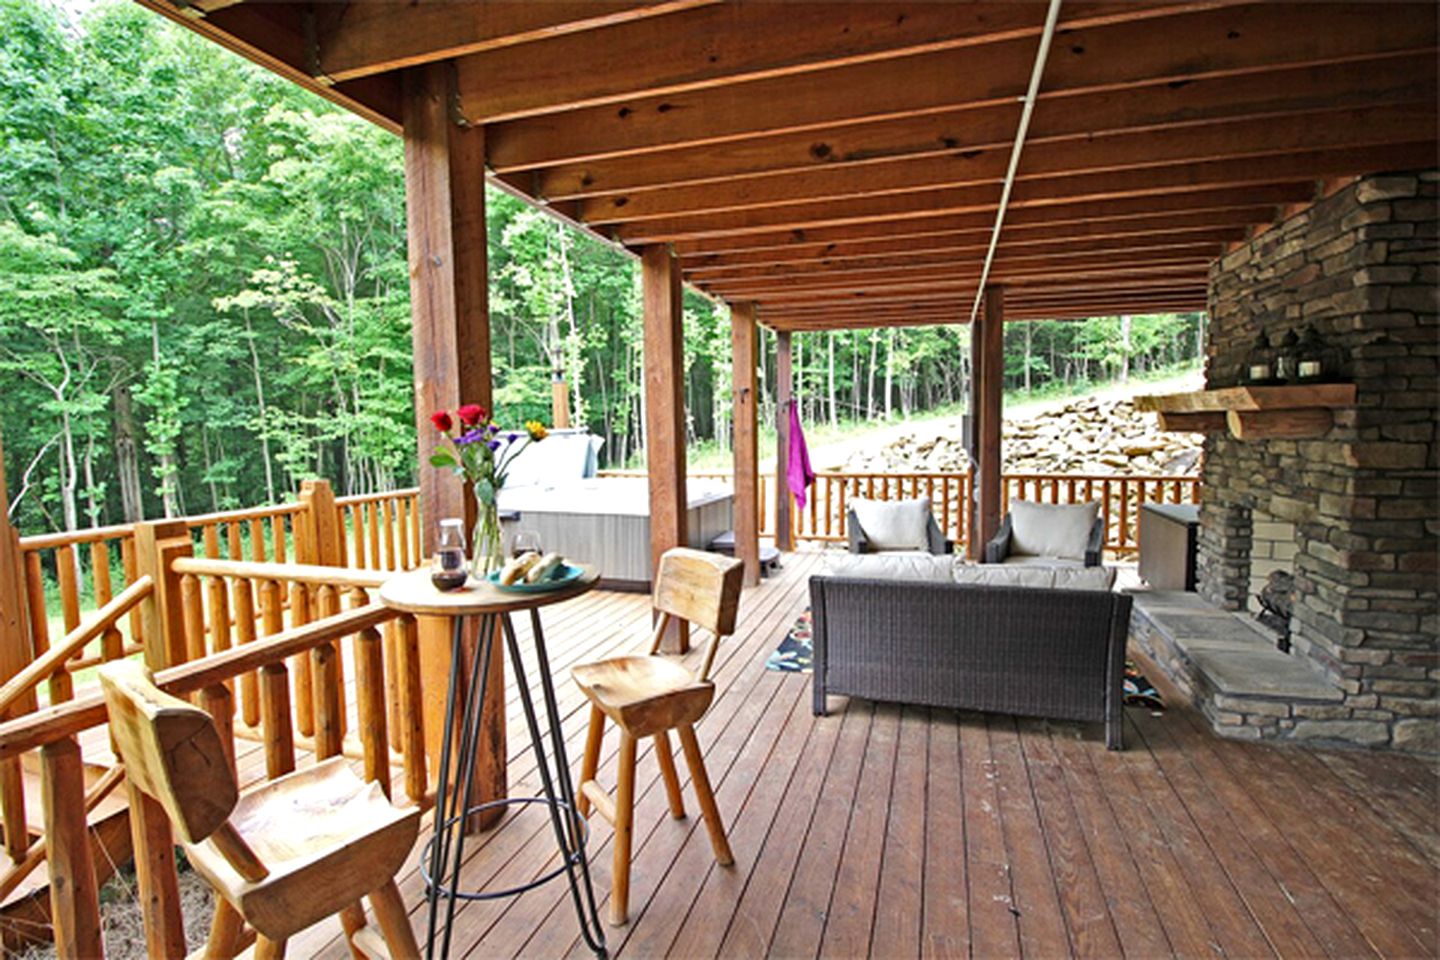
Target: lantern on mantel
[(1316, 361), (1287, 357), (1260, 364)]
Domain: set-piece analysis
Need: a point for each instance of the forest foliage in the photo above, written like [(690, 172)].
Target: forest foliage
[(204, 296)]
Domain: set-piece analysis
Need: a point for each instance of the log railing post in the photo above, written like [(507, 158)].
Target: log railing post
[(157, 545), (370, 706), (156, 876), (15, 654), (74, 899), (744, 390), (275, 720), (410, 707)]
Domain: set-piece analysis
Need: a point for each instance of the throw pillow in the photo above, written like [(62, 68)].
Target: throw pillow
[(894, 524), (996, 575), (1051, 529)]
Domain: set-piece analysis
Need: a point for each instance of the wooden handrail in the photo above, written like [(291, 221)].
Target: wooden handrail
[(286, 572), (354, 498), (74, 641), (68, 719), (46, 541)]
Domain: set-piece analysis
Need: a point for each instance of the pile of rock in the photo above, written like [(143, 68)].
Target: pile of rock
[(1085, 436)]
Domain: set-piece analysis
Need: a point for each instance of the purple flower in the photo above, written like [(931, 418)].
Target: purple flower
[(493, 444), (471, 436), (494, 428), (512, 437)]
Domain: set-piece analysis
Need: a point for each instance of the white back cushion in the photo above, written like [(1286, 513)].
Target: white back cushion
[(911, 567), (893, 524), (1051, 529)]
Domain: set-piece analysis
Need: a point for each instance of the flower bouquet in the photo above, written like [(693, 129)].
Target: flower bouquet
[(480, 452)]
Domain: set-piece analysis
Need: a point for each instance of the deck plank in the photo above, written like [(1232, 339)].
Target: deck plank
[(894, 831)]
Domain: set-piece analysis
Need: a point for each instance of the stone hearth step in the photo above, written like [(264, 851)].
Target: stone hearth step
[(1229, 667)]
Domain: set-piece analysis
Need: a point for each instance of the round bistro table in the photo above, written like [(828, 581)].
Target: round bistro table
[(413, 593)]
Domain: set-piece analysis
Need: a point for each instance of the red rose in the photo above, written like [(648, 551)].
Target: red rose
[(471, 414), (442, 421)]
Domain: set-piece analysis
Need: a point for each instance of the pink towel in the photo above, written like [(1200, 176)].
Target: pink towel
[(798, 474)]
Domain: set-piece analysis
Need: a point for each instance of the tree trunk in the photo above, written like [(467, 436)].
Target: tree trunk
[(870, 385), (1029, 338), (260, 404), (834, 417), (889, 372), (1125, 348), (127, 459)]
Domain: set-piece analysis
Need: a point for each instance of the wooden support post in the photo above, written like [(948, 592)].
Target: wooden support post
[(559, 400), (449, 295), (162, 614), (784, 396), (410, 713), (744, 391), (370, 706), (15, 654), (320, 543), (989, 413), (489, 780), (74, 899), (665, 414), (450, 323)]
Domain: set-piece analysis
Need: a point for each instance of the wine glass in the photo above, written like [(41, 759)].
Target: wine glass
[(447, 568), (526, 541)]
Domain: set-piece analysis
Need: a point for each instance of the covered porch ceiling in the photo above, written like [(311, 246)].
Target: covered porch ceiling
[(841, 164)]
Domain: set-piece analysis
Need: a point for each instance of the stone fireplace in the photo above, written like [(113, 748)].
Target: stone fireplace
[(1352, 513)]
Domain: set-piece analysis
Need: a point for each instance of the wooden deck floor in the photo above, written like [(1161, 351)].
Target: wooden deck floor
[(895, 832)]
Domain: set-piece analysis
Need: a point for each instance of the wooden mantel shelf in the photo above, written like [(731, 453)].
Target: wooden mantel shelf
[(1253, 413)]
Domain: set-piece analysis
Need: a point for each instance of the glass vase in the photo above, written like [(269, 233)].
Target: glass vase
[(486, 555)]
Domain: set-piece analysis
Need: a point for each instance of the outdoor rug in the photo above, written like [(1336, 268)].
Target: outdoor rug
[(793, 654), (1140, 692)]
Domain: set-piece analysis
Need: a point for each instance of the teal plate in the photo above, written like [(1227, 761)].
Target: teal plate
[(564, 575)]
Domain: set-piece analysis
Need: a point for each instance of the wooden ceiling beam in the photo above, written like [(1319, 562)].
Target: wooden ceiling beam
[(748, 41), (1043, 239), (1229, 140), (1231, 40), (272, 36), (1070, 215), (1366, 83), (1191, 254), (1191, 273), (1101, 186), (360, 39)]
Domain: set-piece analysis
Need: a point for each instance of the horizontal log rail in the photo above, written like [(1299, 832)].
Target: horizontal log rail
[(310, 574), (55, 658), (55, 723)]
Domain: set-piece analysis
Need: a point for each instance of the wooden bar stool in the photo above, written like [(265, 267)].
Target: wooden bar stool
[(648, 696), (289, 852)]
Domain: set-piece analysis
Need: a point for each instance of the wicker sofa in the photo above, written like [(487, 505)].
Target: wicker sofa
[(1041, 652)]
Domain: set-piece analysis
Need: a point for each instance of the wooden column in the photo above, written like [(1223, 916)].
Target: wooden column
[(747, 480), (449, 305), (157, 544), (665, 413), (559, 401), (989, 414), (784, 396), (16, 653)]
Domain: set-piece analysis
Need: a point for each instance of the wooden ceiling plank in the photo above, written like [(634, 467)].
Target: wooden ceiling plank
[(1192, 272), (1104, 186), (1227, 140), (1378, 82), (748, 41), (1077, 214), (1189, 46), (361, 39), (1049, 239)]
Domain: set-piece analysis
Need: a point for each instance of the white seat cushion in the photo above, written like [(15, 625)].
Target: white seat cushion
[(894, 524), (1052, 575), (910, 567), (1051, 529), (1022, 560)]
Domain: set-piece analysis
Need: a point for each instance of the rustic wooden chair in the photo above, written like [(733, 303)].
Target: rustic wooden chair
[(648, 696), (287, 853)]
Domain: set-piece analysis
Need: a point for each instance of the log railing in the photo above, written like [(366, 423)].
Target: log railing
[(56, 730), (64, 572), (824, 518)]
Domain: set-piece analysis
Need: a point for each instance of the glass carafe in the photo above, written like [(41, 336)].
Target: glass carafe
[(448, 569)]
